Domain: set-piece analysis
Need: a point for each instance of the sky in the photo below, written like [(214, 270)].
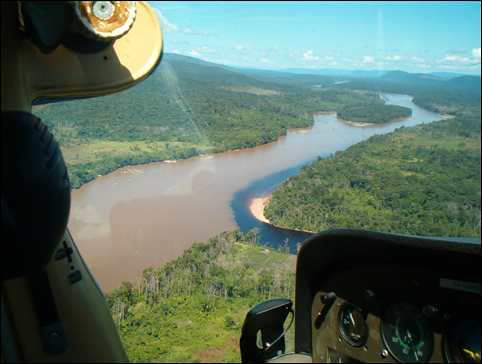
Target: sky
[(408, 36)]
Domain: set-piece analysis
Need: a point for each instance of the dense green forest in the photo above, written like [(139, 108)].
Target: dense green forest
[(381, 113), (190, 107), (423, 180), (192, 309), (431, 92)]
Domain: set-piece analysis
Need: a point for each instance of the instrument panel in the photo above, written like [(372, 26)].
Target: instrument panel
[(396, 314)]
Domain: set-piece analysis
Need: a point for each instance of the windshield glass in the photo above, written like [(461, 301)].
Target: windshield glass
[(263, 124)]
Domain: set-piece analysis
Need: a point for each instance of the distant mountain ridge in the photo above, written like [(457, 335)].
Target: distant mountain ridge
[(462, 83), (449, 74), (392, 75), (367, 73)]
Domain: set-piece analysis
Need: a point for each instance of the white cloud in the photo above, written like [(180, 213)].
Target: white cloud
[(265, 60), (394, 58), (417, 59), (310, 56), (454, 58), (195, 53), (368, 60), (455, 61), (476, 53), (457, 67), (239, 47)]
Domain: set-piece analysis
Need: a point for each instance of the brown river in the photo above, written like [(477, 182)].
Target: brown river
[(143, 216)]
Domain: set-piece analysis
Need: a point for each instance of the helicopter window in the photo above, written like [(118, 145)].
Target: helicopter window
[(262, 125)]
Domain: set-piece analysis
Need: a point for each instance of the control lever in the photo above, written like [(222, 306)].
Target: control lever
[(327, 300), (268, 318)]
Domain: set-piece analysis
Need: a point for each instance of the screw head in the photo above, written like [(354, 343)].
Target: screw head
[(103, 9), (384, 353)]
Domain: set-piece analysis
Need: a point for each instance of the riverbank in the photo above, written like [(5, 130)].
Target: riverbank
[(204, 314), (149, 157), (356, 124), (258, 205)]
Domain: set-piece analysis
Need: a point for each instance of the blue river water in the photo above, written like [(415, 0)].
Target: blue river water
[(266, 234)]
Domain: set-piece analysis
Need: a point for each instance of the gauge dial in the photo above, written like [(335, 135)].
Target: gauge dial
[(352, 325), (407, 334)]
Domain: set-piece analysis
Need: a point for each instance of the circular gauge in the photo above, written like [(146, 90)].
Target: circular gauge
[(352, 325), (462, 342), (407, 334)]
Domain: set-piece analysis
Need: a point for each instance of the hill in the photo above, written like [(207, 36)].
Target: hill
[(464, 83), (447, 74)]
